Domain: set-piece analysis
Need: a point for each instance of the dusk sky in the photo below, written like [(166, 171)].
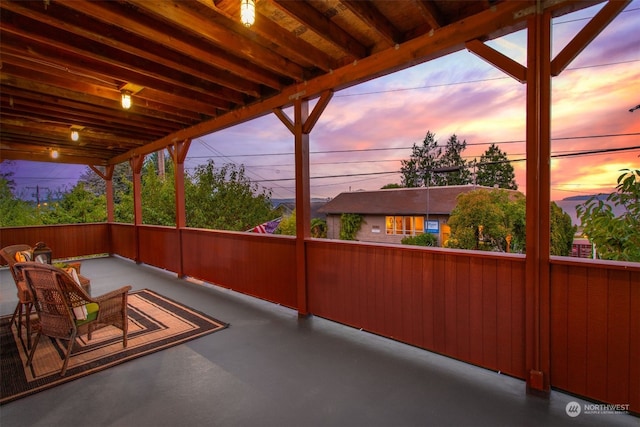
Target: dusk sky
[(366, 130)]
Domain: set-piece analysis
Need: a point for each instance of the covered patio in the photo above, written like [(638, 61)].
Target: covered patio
[(544, 323), (272, 368)]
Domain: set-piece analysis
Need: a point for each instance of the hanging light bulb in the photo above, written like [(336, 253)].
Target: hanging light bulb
[(74, 135), (247, 12), (54, 154), (126, 99)]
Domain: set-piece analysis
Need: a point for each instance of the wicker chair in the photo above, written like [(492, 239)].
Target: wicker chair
[(25, 300), (58, 299)]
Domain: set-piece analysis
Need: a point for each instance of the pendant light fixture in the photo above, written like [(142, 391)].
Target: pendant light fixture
[(247, 12), (126, 99)]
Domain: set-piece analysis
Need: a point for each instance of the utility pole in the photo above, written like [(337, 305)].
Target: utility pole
[(37, 193)]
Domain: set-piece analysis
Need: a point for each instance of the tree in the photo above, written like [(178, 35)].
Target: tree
[(417, 171), (494, 169), (319, 228), (451, 159), (225, 199), (562, 231), (488, 220), (121, 178), (287, 226), (158, 194), (122, 189), (390, 185), (615, 238), (13, 211), (75, 207)]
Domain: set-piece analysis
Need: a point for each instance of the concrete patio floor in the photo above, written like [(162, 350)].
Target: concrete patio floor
[(271, 368)]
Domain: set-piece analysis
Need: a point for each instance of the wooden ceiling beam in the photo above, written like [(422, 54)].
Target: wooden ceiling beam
[(105, 12), (55, 114), (179, 13), (42, 44), (96, 30), (45, 156), (280, 40), (153, 111), (157, 103), (431, 14), (19, 126), (60, 90), (368, 13), (451, 38), (323, 26)]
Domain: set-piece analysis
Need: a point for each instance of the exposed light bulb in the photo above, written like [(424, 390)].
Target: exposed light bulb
[(55, 154), (247, 12), (126, 100), (74, 135)]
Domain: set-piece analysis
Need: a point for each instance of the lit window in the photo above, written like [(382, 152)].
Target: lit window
[(405, 225)]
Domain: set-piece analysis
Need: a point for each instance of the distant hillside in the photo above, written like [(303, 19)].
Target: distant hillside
[(290, 204), (584, 198), (569, 204)]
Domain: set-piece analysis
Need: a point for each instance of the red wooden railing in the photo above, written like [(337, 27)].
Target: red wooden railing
[(595, 329), (65, 241), (254, 264), (463, 304)]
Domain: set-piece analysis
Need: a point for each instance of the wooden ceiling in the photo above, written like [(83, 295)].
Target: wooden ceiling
[(194, 68)]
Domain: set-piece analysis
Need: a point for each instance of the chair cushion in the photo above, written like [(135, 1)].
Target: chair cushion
[(23, 256), (88, 311)]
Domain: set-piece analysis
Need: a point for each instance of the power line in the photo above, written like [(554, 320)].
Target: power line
[(562, 155), (363, 150)]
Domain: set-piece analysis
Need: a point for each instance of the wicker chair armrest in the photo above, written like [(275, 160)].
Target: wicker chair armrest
[(113, 304)]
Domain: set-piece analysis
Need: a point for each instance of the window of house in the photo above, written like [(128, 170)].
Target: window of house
[(405, 225)]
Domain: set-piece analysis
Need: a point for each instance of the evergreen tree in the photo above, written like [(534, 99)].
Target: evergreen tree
[(418, 170), (121, 176), (451, 159), (494, 169)]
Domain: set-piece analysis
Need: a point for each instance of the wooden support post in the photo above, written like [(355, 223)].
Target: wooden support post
[(178, 152), (136, 167), (303, 201), (301, 126), (537, 281)]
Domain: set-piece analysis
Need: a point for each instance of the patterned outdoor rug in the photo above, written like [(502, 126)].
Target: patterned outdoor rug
[(155, 323)]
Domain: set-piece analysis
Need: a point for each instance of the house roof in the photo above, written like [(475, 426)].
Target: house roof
[(194, 69), (399, 201)]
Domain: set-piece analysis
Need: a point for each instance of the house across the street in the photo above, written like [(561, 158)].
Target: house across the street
[(391, 214)]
